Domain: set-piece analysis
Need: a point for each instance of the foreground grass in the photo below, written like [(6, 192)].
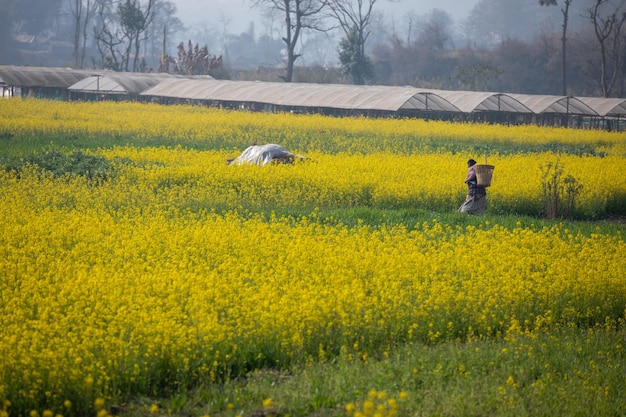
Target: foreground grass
[(410, 217), (569, 372)]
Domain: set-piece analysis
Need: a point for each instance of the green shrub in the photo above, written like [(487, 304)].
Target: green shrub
[(77, 163), (559, 192)]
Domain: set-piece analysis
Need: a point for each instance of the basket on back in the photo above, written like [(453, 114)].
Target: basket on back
[(483, 174)]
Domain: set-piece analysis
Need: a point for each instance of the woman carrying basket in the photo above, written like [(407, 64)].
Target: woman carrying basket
[(476, 200)]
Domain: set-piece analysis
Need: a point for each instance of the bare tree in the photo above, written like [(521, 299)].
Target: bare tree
[(82, 11), (354, 18), (134, 22), (435, 32), (565, 11), (119, 33), (107, 36), (7, 46), (608, 30), (353, 14), (300, 15)]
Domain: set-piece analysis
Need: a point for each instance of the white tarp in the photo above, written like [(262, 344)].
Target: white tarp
[(264, 154)]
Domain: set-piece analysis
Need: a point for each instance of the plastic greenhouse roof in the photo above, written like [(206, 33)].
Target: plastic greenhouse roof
[(25, 76), (122, 82), (615, 107), (337, 96), (555, 104), (471, 101), (82, 80), (102, 84), (303, 94)]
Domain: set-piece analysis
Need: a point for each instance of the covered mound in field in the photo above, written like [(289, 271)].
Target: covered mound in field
[(264, 154)]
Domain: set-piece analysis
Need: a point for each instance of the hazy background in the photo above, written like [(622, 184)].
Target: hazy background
[(224, 25), (489, 45), (217, 23), (236, 15)]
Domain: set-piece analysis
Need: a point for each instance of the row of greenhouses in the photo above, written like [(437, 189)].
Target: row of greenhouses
[(331, 99)]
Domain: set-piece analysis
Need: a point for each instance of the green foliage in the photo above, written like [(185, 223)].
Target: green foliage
[(13, 144), (353, 60), (131, 16), (566, 372), (77, 163), (559, 192)]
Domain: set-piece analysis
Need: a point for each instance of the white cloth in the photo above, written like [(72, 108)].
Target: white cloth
[(263, 154)]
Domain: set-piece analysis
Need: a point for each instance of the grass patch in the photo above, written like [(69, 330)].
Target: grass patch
[(19, 144), (59, 164), (564, 372), (410, 218)]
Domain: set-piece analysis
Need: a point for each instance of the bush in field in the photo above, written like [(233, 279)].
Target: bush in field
[(77, 163), (559, 192)]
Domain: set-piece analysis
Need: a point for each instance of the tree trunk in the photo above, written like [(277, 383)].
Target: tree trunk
[(299, 15), (604, 29), (81, 62), (77, 13), (564, 48)]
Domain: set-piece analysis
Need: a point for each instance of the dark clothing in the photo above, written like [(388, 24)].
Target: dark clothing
[(475, 190)]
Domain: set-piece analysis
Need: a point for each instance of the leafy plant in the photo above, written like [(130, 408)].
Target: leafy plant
[(559, 192), (94, 168)]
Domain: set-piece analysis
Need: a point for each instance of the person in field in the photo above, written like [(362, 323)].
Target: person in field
[(476, 199), (264, 154)]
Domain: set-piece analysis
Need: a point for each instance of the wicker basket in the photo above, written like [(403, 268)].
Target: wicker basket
[(483, 174)]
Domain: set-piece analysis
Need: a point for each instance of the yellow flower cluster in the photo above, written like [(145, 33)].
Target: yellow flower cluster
[(377, 404)]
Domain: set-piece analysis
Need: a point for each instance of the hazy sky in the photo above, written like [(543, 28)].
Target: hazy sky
[(237, 14)]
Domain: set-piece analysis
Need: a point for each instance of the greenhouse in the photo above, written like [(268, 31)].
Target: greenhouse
[(329, 99), (118, 85), (28, 81)]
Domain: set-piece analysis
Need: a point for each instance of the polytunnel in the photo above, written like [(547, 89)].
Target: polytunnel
[(120, 83), (29, 77), (564, 105), (303, 95), (606, 107), (473, 101), (336, 99), (25, 81)]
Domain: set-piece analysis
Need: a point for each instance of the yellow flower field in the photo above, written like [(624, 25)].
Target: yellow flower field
[(111, 300), (175, 270), (429, 181), (232, 129)]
